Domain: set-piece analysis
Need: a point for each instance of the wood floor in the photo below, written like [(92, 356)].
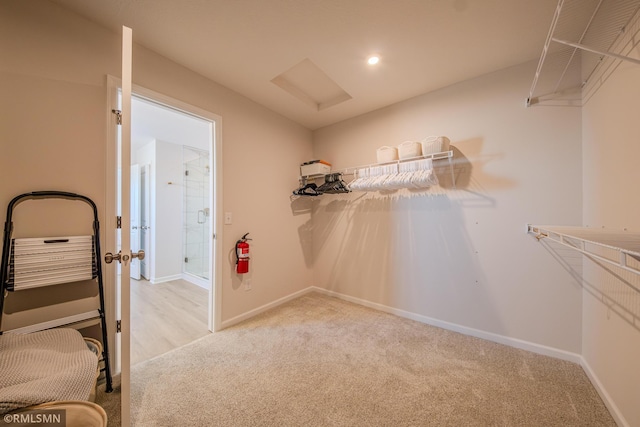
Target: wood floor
[(165, 316)]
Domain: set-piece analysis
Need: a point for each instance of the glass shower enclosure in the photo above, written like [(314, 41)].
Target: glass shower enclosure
[(197, 212)]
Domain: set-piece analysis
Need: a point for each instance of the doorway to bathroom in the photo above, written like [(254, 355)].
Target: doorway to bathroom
[(172, 220)]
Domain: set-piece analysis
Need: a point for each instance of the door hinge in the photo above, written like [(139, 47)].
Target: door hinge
[(186, 259), (118, 114), (186, 173), (118, 325), (118, 222)]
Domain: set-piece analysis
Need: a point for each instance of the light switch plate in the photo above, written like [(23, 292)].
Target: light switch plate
[(227, 218)]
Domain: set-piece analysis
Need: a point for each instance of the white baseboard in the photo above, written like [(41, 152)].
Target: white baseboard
[(198, 281), (256, 311), (489, 336), (77, 321), (604, 395), (163, 279)]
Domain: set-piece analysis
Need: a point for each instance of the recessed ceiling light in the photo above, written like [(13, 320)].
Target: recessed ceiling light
[(373, 60)]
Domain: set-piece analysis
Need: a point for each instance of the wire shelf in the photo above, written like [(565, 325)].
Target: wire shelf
[(581, 35), (620, 248)]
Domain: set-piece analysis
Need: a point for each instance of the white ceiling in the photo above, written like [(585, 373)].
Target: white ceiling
[(151, 121), (423, 45)]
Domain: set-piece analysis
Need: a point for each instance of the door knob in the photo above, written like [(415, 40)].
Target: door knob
[(109, 257), (139, 255), (120, 257)]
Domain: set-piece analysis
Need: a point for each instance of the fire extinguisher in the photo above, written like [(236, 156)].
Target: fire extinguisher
[(242, 255)]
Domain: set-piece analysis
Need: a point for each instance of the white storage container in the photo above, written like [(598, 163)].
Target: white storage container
[(409, 149), (435, 144), (387, 154), (316, 168)]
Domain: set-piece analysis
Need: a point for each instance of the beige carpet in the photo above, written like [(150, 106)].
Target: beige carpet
[(321, 361), (110, 402)]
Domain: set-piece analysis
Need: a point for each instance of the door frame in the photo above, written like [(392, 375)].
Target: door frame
[(216, 196)]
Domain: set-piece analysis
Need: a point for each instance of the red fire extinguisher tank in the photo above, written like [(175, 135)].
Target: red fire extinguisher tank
[(242, 255)]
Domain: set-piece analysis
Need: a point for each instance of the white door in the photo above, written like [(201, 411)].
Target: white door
[(118, 243), (135, 220)]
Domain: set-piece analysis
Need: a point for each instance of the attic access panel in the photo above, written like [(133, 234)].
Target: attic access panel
[(307, 82)]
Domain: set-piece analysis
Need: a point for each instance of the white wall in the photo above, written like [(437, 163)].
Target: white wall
[(52, 135), (611, 333), (463, 256), (168, 205), (166, 200)]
